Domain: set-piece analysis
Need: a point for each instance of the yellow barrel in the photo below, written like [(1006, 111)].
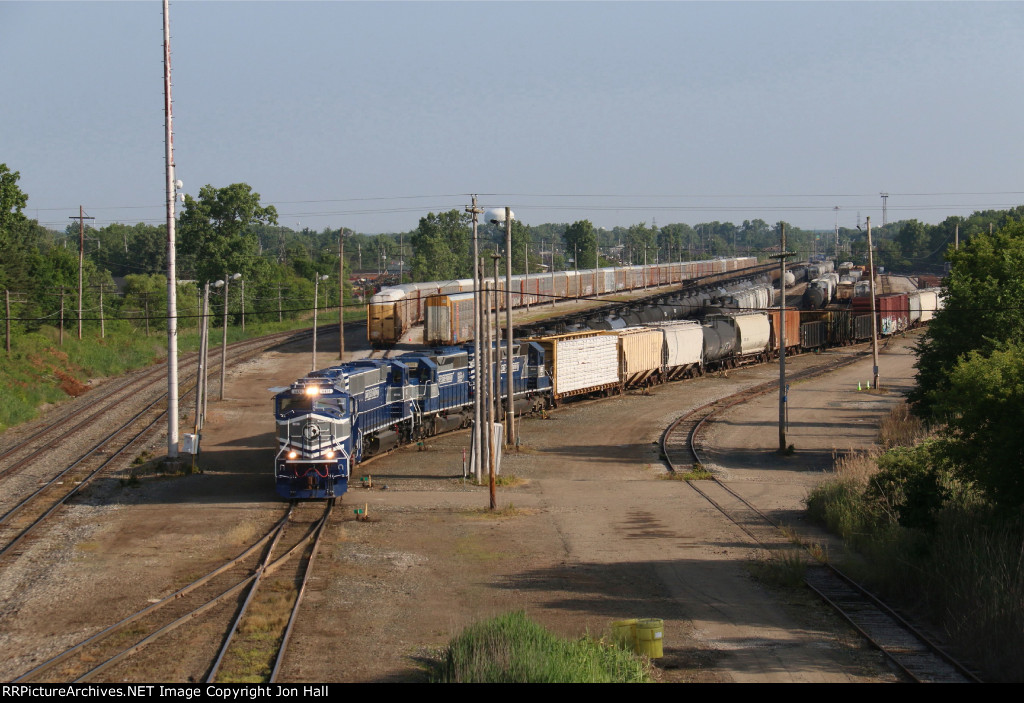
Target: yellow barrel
[(624, 634), (648, 637)]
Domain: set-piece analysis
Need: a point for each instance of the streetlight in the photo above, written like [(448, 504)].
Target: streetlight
[(316, 292), (224, 343), (505, 216)]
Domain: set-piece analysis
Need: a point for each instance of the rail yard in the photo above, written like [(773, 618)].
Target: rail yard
[(588, 535)]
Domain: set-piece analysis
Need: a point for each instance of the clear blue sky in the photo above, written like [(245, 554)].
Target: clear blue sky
[(369, 115)]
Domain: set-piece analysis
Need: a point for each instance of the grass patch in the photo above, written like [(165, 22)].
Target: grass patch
[(509, 510), (40, 371), (512, 648), (696, 473), (509, 481), (785, 568)]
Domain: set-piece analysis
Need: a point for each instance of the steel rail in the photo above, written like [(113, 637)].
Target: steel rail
[(286, 639), (254, 584), (898, 650), (180, 593)]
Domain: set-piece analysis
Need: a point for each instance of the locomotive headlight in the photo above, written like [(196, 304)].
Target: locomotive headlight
[(312, 390), (330, 455), (292, 454)]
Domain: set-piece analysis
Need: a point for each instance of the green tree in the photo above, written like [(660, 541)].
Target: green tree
[(983, 406), (442, 247), (215, 233), (581, 243), (642, 243), (984, 309)]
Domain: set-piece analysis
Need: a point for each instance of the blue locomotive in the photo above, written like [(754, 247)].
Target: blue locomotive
[(332, 419)]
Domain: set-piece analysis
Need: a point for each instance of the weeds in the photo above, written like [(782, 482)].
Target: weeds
[(932, 542), (513, 649), (785, 568)]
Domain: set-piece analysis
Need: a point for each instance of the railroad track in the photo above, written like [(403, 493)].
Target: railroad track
[(28, 507), (249, 646), (917, 656)]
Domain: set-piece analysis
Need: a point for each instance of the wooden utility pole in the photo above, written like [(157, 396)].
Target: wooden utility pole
[(874, 315), (782, 256), (81, 259)]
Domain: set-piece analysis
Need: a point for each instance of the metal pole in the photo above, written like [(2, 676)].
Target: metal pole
[(341, 294), (62, 316), (243, 305), (172, 284), (497, 341), (509, 407), (224, 341), (7, 306), (477, 334), (496, 366), (201, 366), (103, 327), (316, 290), (81, 264), (206, 352), (874, 317), (485, 399)]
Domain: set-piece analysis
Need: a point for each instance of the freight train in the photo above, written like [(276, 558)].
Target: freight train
[(330, 420), (395, 309)]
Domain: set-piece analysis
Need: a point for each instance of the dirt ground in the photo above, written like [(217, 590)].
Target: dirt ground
[(590, 534)]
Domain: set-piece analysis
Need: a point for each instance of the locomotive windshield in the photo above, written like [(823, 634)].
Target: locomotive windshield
[(288, 404)]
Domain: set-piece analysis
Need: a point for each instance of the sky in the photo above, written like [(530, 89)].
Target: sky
[(370, 115)]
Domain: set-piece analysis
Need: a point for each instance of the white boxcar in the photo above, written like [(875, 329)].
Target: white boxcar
[(580, 362), (929, 303), (682, 353)]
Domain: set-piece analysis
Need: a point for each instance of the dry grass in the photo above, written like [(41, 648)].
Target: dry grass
[(509, 510), (242, 533), (901, 429)]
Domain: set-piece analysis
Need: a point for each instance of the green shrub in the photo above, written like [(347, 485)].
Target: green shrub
[(513, 649)]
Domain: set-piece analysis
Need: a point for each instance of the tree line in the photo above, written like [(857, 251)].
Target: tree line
[(228, 230)]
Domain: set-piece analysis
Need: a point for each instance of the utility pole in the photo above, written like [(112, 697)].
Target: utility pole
[(956, 238), (782, 256), (874, 316), (7, 318), (81, 260), (243, 305), (885, 208), (836, 208), (341, 295), (477, 338)]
